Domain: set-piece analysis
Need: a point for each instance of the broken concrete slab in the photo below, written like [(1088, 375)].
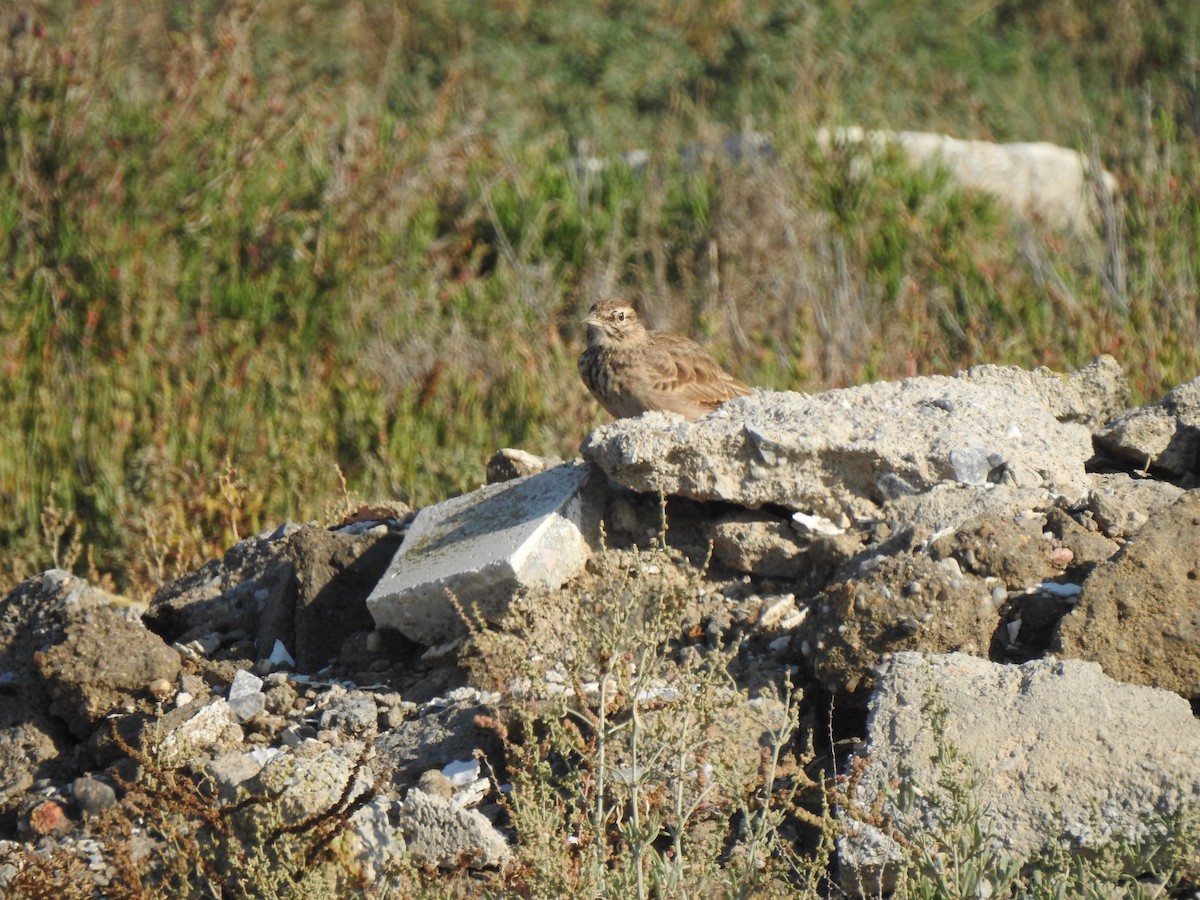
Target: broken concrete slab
[(1034, 747), (1121, 503), (1091, 395), (1138, 616), (475, 551), (1163, 437), (845, 454)]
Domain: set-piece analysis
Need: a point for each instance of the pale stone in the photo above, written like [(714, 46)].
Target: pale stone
[(1038, 181), (437, 833), (215, 726), (847, 454), (480, 548), (1163, 437), (1040, 739)]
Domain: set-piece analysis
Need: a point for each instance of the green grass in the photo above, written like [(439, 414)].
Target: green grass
[(291, 241)]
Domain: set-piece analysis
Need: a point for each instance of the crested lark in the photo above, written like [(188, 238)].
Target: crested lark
[(631, 370)]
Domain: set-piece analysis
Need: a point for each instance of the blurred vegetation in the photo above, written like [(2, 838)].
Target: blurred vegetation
[(251, 250)]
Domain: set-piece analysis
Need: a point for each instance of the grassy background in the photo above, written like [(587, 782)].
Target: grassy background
[(250, 249)]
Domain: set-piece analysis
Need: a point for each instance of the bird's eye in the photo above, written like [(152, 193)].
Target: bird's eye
[(620, 315)]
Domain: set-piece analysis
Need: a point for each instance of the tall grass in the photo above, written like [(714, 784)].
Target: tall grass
[(249, 247)]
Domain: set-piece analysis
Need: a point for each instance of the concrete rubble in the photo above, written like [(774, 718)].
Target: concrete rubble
[(1003, 543), (1035, 744), (464, 556)]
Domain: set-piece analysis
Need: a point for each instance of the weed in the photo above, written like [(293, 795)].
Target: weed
[(172, 834), (627, 746)]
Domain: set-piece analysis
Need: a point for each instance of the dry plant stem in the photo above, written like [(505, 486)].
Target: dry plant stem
[(635, 763), (778, 740), (601, 814)]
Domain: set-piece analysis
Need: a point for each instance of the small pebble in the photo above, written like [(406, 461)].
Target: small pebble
[(92, 795), (1061, 557), (435, 784), (48, 818)]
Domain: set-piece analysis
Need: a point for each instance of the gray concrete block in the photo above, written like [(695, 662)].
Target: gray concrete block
[(848, 454), (1059, 752), (482, 547)]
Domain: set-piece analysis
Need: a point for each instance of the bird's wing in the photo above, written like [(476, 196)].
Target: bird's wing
[(684, 370)]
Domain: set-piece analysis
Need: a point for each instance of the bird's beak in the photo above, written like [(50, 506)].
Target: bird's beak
[(590, 319)]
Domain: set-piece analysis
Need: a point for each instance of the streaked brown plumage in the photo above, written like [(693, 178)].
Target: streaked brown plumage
[(631, 370)]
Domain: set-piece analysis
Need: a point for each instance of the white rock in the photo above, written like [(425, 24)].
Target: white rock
[(244, 683), (246, 698), (1014, 628), (461, 772), (471, 794), (1038, 181), (263, 755), (1058, 589), (280, 656), (782, 609), (806, 524), (213, 726), (482, 547)]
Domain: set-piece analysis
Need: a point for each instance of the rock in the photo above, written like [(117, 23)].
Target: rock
[(377, 845), (1121, 503), (466, 781), (1041, 746), (211, 729), (231, 770), (438, 833), (28, 750), (280, 656), (948, 507), (1163, 437), (305, 587), (760, 543), (1076, 534), (442, 731), (33, 743), (308, 786), (1024, 550), (91, 795), (227, 598), (434, 783), (1091, 395), (106, 660), (352, 713), (509, 464), (334, 576), (47, 819), (469, 554), (1039, 181), (892, 604), (246, 699), (1138, 616), (845, 453), (314, 789)]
